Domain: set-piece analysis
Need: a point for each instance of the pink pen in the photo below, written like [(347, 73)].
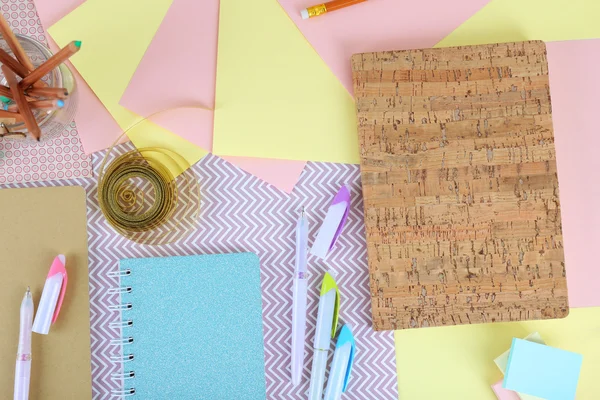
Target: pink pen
[(23, 367), (300, 298)]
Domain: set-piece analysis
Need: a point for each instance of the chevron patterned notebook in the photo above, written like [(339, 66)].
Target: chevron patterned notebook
[(192, 328)]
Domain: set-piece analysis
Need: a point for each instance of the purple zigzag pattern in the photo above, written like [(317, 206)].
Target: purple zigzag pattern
[(242, 213)]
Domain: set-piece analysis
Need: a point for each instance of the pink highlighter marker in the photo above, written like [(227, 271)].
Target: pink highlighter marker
[(52, 296)]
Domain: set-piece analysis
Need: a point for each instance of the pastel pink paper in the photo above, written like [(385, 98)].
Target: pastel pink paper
[(184, 53), (193, 124), (504, 394), (378, 25), (282, 174), (97, 128), (574, 83), (179, 68)]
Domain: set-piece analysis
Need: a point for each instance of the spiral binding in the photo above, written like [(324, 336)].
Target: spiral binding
[(125, 357), (125, 289), (120, 307)]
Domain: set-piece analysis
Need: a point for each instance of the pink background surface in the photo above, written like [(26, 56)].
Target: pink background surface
[(574, 83), (504, 394), (379, 25)]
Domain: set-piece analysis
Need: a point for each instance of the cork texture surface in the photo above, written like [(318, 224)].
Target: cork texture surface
[(460, 185)]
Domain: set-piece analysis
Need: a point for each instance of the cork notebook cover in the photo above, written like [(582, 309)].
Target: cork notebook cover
[(35, 226), (460, 185)]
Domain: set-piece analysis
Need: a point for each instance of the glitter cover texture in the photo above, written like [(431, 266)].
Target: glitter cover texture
[(197, 327)]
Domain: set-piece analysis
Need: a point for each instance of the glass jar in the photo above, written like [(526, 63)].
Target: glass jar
[(51, 122)]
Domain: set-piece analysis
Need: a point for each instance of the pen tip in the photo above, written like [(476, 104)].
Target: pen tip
[(302, 211), (28, 291)]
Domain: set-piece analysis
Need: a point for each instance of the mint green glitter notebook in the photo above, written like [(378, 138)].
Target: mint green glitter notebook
[(192, 328)]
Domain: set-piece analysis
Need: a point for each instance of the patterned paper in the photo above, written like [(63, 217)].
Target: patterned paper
[(242, 213), (26, 161)]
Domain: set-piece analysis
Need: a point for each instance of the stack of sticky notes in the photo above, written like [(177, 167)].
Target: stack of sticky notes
[(533, 370)]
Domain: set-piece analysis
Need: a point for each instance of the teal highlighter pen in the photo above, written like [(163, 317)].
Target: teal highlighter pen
[(341, 366)]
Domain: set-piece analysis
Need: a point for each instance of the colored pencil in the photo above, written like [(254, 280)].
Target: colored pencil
[(57, 93), (14, 44), (19, 98), (61, 56), (324, 8), (11, 114), (13, 64), (39, 104), (5, 92)]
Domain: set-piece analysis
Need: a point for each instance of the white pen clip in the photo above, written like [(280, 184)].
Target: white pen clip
[(52, 296), (333, 224)]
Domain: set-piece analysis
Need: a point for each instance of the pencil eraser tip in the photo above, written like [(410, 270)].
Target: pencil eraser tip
[(304, 14)]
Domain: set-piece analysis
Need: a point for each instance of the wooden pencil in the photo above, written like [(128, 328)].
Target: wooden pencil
[(11, 114), (19, 98), (40, 104), (14, 44), (5, 91), (61, 56), (13, 64), (56, 93)]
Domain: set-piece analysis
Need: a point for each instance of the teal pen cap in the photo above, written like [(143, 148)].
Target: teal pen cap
[(341, 366), (346, 336)]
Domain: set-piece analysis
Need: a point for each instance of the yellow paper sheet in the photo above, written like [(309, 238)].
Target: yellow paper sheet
[(275, 97), (457, 363), (115, 35), (517, 20)]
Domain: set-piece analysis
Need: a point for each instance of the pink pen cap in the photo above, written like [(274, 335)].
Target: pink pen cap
[(52, 296)]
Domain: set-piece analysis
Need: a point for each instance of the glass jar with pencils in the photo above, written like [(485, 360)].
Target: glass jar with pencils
[(51, 98)]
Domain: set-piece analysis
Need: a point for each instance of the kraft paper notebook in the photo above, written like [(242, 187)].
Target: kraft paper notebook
[(36, 226), (460, 185), (192, 327)]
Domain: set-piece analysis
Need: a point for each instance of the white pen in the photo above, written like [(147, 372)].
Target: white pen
[(300, 299), (341, 366), (23, 367), (329, 305)]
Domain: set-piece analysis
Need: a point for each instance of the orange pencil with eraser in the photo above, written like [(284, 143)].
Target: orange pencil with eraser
[(324, 8)]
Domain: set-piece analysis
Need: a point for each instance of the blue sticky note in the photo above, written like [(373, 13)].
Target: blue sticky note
[(542, 371)]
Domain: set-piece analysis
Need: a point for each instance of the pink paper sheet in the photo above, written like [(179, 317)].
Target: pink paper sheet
[(574, 83), (184, 54), (97, 128), (191, 71), (504, 394), (378, 25), (283, 174)]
